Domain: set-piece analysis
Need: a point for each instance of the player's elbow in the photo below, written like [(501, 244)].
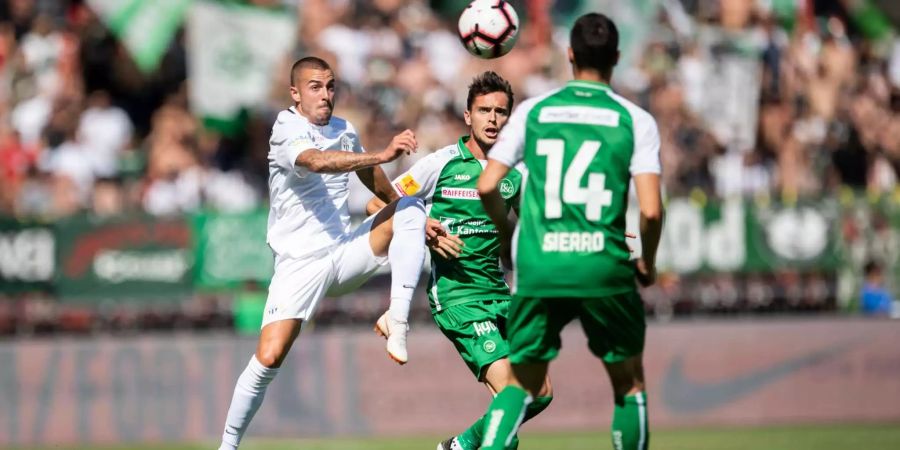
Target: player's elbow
[(310, 161), (485, 187), (652, 213)]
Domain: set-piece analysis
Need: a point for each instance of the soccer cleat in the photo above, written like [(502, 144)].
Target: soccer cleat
[(395, 333), (450, 444)]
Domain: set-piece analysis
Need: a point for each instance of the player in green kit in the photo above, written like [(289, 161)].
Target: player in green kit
[(582, 145), (468, 295)]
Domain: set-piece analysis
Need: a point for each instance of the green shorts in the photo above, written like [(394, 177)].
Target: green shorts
[(477, 330), (614, 325)]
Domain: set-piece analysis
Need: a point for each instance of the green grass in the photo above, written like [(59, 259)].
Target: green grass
[(830, 437)]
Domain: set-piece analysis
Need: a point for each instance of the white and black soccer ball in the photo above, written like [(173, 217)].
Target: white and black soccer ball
[(489, 28)]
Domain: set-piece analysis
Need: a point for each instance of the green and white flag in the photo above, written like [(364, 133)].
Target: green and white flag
[(146, 28), (232, 52)]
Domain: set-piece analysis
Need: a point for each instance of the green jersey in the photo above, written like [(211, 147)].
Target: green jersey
[(447, 180), (581, 144)]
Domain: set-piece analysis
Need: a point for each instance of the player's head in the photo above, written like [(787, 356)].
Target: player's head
[(487, 107), (594, 44), (312, 88)]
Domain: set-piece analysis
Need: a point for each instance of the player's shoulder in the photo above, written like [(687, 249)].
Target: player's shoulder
[(442, 156), (530, 103), (340, 125), (289, 120), (638, 114)]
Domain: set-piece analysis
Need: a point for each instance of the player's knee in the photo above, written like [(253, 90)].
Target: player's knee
[(546, 390), (626, 387), (270, 357), (410, 214)]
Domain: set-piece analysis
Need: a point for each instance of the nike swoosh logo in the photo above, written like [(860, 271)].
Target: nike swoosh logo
[(227, 431), (274, 142), (683, 395), (409, 287)]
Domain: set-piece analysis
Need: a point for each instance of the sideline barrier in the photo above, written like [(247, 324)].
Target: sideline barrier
[(339, 382)]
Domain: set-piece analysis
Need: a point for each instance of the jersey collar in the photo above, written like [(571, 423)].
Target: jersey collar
[(463, 150), (589, 85)]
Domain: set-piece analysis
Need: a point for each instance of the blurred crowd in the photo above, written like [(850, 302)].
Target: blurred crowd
[(748, 102)]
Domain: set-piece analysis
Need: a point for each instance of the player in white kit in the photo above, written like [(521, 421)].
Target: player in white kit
[(316, 253)]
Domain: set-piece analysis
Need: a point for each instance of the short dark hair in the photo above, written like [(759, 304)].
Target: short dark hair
[(309, 62), (871, 268), (487, 83), (595, 43)]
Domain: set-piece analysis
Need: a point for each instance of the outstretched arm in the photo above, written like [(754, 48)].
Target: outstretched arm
[(333, 161)]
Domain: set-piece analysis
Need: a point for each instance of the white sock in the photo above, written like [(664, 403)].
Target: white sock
[(406, 254), (248, 396)]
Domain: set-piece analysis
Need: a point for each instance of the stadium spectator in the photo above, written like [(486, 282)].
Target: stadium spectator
[(875, 298), (751, 102)]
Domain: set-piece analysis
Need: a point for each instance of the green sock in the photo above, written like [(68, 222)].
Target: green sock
[(629, 426), (471, 438), (504, 417)]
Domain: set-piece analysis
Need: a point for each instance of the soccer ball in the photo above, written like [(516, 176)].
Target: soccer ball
[(489, 28)]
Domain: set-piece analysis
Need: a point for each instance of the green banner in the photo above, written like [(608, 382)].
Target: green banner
[(125, 258), (26, 256), (146, 28), (739, 236), (231, 249), (156, 259)]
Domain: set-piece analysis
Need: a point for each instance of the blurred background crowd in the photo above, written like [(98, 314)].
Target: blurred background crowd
[(788, 99), (82, 129)]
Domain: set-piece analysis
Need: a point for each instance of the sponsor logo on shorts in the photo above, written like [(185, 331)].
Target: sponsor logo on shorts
[(489, 346), (486, 327), (506, 188)]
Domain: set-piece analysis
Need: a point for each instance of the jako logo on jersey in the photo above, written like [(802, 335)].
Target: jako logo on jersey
[(506, 188), (462, 177), (407, 185), (460, 193)]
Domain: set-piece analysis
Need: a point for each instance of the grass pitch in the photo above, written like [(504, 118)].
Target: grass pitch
[(830, 437)]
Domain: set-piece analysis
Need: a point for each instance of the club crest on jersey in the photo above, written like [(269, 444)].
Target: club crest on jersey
[(506, 188), (346, 143), (407, 185)]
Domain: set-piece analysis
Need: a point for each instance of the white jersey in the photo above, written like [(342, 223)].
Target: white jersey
[(308, 211)]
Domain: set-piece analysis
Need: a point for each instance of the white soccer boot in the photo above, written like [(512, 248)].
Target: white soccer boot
[(395, 333)]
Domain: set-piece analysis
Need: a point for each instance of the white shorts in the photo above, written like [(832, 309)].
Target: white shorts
[(300, 283)]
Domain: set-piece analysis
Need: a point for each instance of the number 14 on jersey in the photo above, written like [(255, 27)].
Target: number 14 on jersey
[(594, 196)]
